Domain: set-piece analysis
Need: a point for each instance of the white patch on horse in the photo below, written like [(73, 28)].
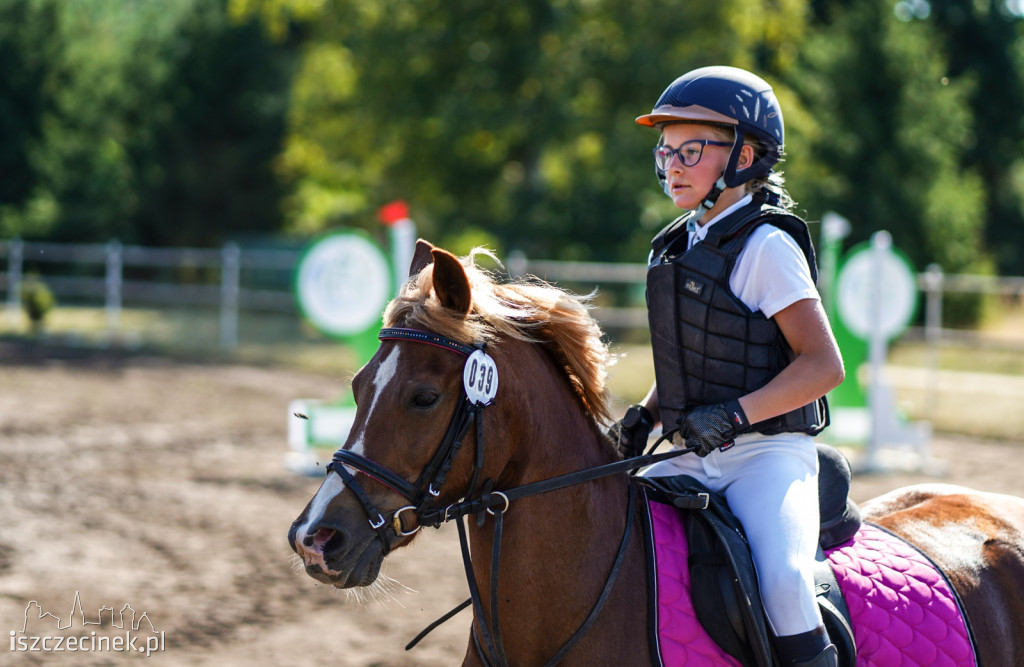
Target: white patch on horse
[(330, 488), (333, 484), (385, 373)]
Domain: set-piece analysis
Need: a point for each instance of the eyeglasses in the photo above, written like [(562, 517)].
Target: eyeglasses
[(689, 152)]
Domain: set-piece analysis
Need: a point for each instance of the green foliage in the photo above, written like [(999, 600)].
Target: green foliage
[(516, 118), (506, 123), (989, 51), (151, 122), (36, 300), (206, 166), (889, 132), (29, 44)]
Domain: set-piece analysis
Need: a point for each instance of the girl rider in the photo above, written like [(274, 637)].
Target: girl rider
[(743, 351)]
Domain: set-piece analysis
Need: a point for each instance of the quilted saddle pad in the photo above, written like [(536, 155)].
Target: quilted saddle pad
[(902, 609)]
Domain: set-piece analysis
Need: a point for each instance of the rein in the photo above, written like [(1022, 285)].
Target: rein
[(431, 480)]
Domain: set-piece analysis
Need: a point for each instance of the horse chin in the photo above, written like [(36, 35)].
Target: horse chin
[(355, 578)]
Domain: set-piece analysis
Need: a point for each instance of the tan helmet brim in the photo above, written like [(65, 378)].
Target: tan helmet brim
[(669, 114)]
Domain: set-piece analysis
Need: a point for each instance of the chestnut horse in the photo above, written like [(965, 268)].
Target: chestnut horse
[(482, 393)]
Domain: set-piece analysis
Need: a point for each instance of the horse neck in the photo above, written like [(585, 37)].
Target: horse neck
[(557, 552), (547, 433), (548, 430), (558, 545)]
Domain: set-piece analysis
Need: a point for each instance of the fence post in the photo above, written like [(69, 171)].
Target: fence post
[(15, 255), (229, 288), (516, 263), (881, 245), (933, 284), (114, 279)]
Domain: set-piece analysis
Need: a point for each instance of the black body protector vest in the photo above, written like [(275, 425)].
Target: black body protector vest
[(708, 346)]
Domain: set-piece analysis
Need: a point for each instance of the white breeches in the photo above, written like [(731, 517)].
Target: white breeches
[(771, 485)]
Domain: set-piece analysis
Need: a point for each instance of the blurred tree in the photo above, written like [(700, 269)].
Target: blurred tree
[(888, 132), (83, 162), (29, 49), (215, 127), (151, 122), (986, 39), (503, 120)]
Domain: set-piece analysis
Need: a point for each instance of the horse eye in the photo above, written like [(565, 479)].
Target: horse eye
[(424, 399)]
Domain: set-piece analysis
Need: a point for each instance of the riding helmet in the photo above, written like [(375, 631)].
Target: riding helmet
[(726, 96)]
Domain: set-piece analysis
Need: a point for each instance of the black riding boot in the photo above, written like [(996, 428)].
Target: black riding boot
[(827, 658), (807, 649)]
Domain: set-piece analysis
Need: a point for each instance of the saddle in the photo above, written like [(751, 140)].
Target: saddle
[(724, 584)]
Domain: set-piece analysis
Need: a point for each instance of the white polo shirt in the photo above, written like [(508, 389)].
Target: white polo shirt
[(771, 271)]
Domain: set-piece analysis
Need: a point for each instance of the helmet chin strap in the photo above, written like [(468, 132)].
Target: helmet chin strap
[(708, 203)]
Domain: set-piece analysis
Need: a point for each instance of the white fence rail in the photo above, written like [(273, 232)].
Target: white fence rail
[(82, 280), (96, 272)]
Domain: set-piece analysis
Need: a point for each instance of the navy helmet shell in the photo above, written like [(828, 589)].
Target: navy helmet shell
[(723, 95)]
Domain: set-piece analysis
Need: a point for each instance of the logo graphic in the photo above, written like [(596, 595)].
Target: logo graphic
[(125, 619), (343, 283)]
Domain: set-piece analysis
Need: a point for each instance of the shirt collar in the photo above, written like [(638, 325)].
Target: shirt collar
[(702, 230)]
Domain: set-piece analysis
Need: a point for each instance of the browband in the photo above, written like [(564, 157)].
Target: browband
[(425, 337)]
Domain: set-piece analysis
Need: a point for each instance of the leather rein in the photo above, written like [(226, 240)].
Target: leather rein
[(422, 493)]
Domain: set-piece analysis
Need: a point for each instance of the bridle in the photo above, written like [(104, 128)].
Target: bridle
[(422, 493), (428, 485)]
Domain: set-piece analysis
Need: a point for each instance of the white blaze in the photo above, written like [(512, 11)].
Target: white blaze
[(385, 373), (333, 485)]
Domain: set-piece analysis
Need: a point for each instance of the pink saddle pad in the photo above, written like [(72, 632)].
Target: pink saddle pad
[(902, 609)]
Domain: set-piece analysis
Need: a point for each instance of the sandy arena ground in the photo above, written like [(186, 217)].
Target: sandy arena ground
[(161, 485)]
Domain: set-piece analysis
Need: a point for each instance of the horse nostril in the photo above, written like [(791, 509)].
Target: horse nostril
[(317, 538), (309, 535)]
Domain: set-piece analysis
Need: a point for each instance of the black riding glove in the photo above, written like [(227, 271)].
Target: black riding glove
[(631, 432), (708, 427)]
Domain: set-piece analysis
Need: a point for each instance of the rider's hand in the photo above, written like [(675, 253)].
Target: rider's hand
[(708, 427), (630, 433)]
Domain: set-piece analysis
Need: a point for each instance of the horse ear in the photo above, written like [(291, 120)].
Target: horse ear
[(421, 257), (450, 282)]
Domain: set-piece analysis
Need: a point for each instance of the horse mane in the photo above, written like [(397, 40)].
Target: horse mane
[(530, 310)]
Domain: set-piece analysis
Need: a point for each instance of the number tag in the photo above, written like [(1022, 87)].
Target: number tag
[(480, 378)]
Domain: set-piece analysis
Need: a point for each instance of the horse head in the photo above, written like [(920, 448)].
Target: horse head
[(472, 388)]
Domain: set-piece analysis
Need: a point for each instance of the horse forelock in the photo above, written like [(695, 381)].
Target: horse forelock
[(529, 310)]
